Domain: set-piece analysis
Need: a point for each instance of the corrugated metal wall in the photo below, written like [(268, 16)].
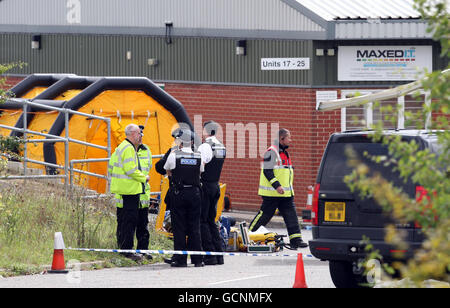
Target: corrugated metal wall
[(194, 14), (186, 59)]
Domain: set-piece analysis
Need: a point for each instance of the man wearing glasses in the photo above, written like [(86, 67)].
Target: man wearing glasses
[(128, 183)]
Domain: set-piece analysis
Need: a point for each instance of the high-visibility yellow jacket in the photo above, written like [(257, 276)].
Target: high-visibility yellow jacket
[(126, 178), (283, 175), (145, 161)]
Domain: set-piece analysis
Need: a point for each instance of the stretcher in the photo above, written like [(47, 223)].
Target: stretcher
[(162, 226)]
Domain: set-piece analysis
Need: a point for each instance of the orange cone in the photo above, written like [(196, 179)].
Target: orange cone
[(58, 264), (300, 281)]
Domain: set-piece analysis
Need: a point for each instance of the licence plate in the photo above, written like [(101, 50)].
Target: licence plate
[(334, 211)]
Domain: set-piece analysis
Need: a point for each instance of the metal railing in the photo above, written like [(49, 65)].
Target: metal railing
[(68, 166), (54, 138)]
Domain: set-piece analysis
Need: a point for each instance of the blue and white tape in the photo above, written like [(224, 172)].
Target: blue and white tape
[(202, 253)]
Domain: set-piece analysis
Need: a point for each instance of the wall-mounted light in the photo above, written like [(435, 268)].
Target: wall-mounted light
[(128, 55), (36, 41), (152, 62), (320, 52), (241, 48), (169, 26)]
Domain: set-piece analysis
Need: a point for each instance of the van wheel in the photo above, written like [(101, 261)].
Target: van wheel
[(343, 275)]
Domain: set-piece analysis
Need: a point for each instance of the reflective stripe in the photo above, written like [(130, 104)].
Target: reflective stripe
[(284, 174), (271, 188), (131, 171), (116, 164), (123, 180), (276, 166), (119, 201), (295, 235), (283, 167), (255, 220), (127, 160), (120, 176)]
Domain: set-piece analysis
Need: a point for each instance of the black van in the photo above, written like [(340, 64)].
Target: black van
[(341, 218)]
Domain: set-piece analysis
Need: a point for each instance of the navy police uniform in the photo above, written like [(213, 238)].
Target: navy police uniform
[(185, 166), (211, 240)]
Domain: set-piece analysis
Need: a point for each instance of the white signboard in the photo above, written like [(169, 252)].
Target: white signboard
[(323, 96), (366, 63), (274, 64)]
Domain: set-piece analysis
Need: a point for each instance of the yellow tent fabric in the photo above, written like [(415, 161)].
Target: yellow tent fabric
[(34, 92), (10, 116), (42, 122), (123, 107)]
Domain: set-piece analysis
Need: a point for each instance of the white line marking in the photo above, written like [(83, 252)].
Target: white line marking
[(233, 280)]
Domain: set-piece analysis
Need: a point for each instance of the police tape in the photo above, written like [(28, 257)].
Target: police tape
[(202, 253)]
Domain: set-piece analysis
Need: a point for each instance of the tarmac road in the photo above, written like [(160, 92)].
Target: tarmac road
[(237, 272)]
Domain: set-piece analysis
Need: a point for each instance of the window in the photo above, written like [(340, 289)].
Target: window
[(398, 116)]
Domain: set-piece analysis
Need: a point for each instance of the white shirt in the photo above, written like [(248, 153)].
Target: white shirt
[(171, 160), (206, 150)]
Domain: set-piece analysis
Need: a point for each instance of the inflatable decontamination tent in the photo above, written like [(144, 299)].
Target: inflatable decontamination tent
[(124, 100), (29, 88), (38, 119)]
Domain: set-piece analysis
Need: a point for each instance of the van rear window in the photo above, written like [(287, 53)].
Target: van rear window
[(336, 162)]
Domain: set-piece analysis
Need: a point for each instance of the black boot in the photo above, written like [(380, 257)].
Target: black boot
[(210, 260), (297, 243), (220, 260)]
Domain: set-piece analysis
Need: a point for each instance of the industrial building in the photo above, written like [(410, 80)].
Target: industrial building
[(250, 65)]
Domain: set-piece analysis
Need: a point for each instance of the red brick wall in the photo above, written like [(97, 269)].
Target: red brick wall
[(292, 108), (11, 82)]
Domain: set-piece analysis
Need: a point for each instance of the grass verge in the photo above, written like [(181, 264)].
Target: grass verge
[(31, 212)]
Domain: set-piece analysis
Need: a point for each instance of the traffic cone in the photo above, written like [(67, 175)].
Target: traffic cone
[(300, 281), (58, 264)]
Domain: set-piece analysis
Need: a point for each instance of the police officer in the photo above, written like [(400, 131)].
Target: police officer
[(184, 167), (213, 153), (128, 183), (276, 189)]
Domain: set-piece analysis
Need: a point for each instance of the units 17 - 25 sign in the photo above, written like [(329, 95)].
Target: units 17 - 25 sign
[(284, 64), (360, 63)]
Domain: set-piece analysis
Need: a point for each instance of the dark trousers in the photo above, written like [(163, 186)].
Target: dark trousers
[(268, 207), (211, 240), (185, 215), (131, 220)]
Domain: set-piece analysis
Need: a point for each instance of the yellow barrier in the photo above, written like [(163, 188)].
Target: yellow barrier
[(159, 226)]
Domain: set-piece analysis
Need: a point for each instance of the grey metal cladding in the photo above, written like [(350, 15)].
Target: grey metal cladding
[(186, 59), (189, 17)]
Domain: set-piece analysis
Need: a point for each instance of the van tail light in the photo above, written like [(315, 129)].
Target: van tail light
[(422, 193), (315, 205)]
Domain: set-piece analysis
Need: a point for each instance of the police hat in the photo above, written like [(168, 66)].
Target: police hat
[(177, 133), (211, 127), (185, 135)]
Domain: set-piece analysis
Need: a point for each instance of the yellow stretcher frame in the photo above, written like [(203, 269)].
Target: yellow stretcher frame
[(162, 206)]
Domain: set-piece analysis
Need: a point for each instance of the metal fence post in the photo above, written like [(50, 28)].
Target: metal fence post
[(66, 151)]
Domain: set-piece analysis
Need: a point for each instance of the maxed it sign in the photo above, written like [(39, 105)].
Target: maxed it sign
[(383, 63)]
